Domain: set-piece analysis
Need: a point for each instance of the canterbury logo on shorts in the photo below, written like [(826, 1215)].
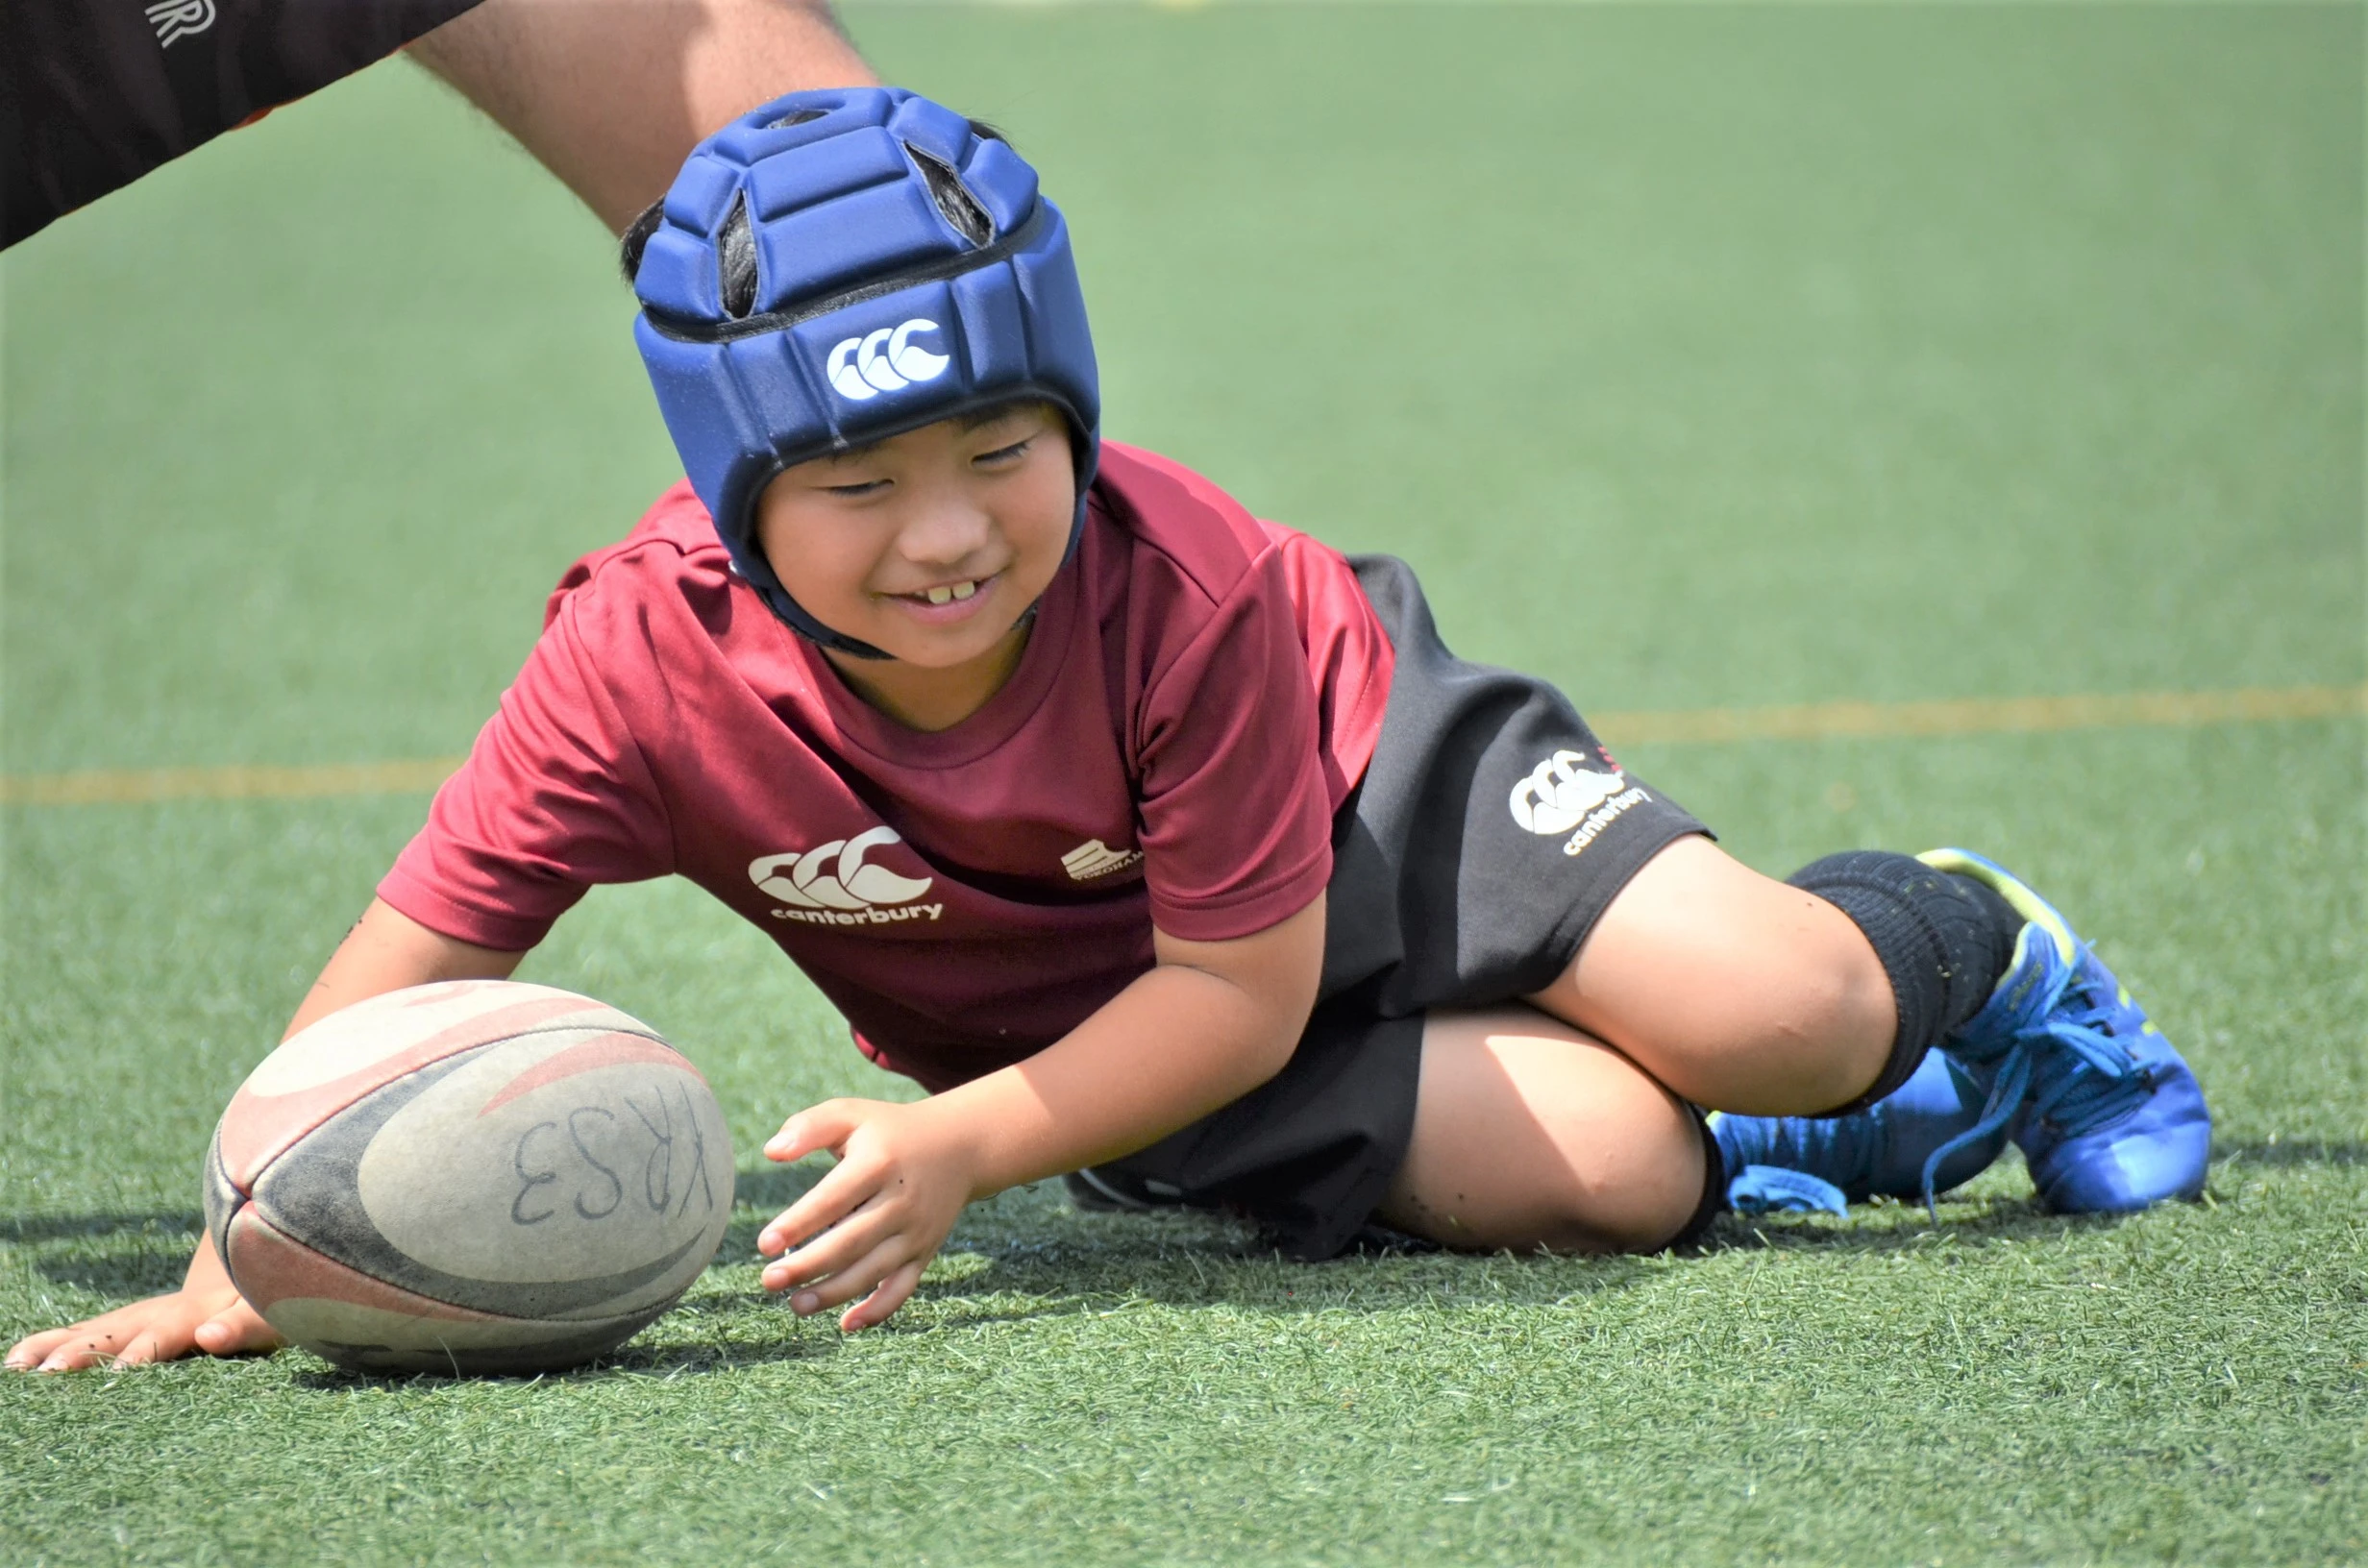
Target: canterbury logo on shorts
[(1561, 793), (833, 884), (888, 360)]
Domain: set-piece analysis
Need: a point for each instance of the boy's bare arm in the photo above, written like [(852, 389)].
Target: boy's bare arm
[(1210, 1023), (611, 98), (385, 952)]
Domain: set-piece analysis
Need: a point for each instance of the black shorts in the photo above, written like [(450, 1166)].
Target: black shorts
[(1490, 831), (94, 93)]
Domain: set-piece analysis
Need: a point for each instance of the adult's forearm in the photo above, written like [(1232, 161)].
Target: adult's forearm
[(613, 97)]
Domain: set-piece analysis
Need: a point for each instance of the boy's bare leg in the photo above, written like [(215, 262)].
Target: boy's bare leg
[(1739, 992), (1528, 1134), (1563, 1127), (611, 97)]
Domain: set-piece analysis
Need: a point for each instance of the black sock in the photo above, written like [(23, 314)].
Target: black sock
[(1943, 940), (1713, 1200)]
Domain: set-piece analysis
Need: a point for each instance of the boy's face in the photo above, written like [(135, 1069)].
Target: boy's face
[(929, 544)]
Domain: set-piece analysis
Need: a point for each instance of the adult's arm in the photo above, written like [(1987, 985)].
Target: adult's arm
[(611, 98)]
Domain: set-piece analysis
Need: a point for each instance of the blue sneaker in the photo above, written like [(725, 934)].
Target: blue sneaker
[(2108, 1115), (1909, 1144)]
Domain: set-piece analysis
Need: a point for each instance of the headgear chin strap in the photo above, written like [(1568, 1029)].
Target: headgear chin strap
[(907, 271)]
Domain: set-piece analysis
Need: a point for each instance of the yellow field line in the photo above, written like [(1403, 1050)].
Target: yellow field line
[(1981, 715), (1797, 722), (121, 786)]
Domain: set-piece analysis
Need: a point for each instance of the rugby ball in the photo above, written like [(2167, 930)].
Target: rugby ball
[(477, 1176)]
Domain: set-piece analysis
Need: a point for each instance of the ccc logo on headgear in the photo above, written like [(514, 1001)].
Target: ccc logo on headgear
[(860, 369)]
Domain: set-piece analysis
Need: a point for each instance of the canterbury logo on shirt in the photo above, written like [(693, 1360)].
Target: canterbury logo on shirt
[(1094, 859), (888, 360), (1560, 794), (832, 884)]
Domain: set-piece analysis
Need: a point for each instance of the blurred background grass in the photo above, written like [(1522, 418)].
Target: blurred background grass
[(1696, 356)]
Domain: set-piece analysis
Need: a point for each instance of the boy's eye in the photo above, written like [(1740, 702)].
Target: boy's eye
[(856, 487), (1006, 454)]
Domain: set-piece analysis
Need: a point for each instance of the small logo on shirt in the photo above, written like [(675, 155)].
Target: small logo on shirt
[(176, 20), (1561, 793), (833, 885), (1094, 859), (860, 371)]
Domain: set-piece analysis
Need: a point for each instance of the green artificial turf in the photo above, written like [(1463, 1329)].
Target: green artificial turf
[(1698, 356)]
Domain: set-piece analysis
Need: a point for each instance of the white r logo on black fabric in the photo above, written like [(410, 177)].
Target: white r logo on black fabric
[(176, 20)]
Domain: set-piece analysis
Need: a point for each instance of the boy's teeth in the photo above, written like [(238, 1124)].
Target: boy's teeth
[(946, 595), (964, 589)]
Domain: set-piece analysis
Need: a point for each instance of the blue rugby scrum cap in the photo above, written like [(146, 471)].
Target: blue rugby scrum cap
[(905, 271)]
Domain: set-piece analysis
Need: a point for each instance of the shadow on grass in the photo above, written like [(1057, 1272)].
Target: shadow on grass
[(2287, 1152), (179, 1222), (1030, 1255), (663, 1361), (1895, 1227), (119, 1255)]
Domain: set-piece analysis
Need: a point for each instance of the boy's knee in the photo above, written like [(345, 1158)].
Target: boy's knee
[(1824, 980), (1643, 1213), (1824, 1006), (1795, 983), (1734, 990), (1636, 1202)]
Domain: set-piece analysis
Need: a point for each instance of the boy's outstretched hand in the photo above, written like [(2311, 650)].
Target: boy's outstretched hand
[(871, 1225), (1210, 1021), (207, 1315)]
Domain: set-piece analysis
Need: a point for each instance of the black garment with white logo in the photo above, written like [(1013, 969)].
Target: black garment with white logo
[(1491, 832), (94, 93)]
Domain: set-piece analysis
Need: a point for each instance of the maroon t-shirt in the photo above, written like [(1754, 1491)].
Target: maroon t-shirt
[(1200, 692)]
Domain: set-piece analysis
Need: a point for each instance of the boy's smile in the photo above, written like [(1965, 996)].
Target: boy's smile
[(930, 546)]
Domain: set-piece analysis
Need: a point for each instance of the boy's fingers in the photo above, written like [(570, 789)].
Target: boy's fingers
[(34, 1349), (87, 1351), (830, 1253), (881, 1303), (824, 1126), (859, 1279), (849, 1186), (238, 1331), (93, 1336), (145, 1346), (158, 1330)]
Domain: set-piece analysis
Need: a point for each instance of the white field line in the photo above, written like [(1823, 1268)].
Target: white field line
[(1683, 726)]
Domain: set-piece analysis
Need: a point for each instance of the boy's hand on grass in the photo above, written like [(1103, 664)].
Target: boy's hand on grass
[(207, 1315), (871, 1225)]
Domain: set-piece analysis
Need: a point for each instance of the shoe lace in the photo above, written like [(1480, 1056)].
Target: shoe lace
[(2088, 1082)]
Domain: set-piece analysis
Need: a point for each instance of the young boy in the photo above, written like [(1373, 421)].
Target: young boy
[(1166, 846)]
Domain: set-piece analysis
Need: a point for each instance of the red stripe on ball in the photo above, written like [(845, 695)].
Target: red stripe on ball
[(602, 1051), (269, 1267), (257, 1129)]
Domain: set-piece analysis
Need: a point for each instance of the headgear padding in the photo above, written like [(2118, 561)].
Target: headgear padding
[(907, 271)]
